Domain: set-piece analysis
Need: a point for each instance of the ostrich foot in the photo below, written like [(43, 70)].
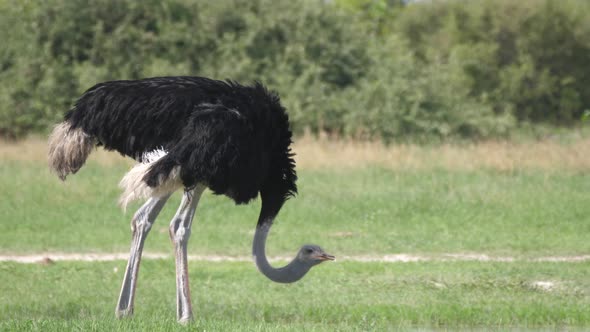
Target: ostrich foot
[(186, 320), (124, 313)]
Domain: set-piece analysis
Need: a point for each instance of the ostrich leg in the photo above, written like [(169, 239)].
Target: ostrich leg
[(180, 231), (140, 226)]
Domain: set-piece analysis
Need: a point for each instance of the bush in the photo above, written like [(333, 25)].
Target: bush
[(294, 47), (420, 103), (377, 69), (528, 58)]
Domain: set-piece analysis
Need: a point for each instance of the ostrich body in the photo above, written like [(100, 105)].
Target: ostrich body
[(191, 133)]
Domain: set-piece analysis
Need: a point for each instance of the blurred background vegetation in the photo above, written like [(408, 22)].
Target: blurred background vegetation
[(392, 70)]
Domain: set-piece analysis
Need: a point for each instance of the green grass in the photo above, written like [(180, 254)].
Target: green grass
[(336, 296), (354, 212), (365, 211)]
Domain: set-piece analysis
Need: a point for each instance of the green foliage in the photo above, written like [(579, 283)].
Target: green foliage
[(378, 69), (430, 102), (525, 58)]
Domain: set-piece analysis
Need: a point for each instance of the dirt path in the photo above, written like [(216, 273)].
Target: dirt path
[(395, 258)]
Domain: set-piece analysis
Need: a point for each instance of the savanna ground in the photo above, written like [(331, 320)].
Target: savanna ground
[(525, 201)]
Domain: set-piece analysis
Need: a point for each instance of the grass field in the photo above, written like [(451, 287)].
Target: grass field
[(518, 200), (343, 296)]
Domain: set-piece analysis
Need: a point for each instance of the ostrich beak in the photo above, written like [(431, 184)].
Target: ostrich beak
[(326, 257)]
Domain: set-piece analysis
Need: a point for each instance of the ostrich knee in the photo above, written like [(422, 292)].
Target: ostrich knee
[(140, 224), (179, 232)]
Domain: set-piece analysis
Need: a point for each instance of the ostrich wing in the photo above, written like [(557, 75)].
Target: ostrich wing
[(218, 148)]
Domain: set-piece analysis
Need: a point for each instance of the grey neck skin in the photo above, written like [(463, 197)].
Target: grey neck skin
[(286, 274)]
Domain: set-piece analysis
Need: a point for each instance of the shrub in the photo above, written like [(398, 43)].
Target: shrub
[(378, 69)]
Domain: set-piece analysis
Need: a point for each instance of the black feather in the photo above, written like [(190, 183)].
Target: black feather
[(233, 138)]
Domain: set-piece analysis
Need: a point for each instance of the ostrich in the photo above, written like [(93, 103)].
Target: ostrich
[(191, 133)]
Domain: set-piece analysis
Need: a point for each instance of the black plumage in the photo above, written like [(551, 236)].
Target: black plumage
[(233, 138)]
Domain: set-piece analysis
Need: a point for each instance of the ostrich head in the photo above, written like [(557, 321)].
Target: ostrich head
[(312, 255)]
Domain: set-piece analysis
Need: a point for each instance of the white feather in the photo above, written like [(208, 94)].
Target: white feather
[(135, 188), (153, 156)]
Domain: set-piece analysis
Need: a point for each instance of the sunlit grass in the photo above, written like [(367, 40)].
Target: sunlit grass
[(524, 201), (335, 296), (371, 210)]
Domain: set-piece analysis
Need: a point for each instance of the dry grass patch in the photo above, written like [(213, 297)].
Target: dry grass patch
[(35, 149), (504, 156), (312, 153)]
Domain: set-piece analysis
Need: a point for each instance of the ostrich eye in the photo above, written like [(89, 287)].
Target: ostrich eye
[(308, 251)]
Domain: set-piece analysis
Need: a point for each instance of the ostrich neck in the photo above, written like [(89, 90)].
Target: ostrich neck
[(286, 274)]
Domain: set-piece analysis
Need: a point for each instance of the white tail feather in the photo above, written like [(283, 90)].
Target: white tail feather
[(135, 188), (68, 149)]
